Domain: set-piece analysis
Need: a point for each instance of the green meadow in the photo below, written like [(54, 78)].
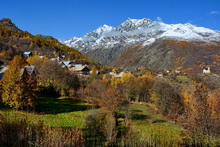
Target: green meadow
[(64, 112), (54, 111), (152, 127)]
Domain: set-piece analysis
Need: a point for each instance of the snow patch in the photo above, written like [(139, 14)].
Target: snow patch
[(149, 42)]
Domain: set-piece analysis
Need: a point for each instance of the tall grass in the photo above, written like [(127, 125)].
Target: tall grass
[(24, 133)]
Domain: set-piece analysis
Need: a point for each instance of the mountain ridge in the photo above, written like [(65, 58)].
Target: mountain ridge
[(141, 30), (151, 44)]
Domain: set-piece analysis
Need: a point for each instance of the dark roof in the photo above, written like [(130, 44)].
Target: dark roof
[(29, 69), (59, 55), (1, 75), (79, 68)]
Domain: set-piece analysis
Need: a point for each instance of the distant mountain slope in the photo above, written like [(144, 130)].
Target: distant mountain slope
[(189, 57), (14, 41), (137, 37)]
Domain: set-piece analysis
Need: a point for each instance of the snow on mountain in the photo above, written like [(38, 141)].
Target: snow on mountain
[(134, 31), (134, 24), (189, 32), (101, 31), (149, 42)]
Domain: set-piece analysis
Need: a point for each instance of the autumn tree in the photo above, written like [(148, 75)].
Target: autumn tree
[(17, 91), (11, 80), (49, 73), (114, 70), (28, 87), (93, 91), (69, 84), (94, 72), (201, 110), (129, 86), (169, 100), (52, 75), (101, 124), (144, 85), (214, 102), (110, 100), (36, 61)]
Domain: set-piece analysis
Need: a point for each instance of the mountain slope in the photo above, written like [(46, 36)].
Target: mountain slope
[(145, 40), (189, 57), (14, 41)]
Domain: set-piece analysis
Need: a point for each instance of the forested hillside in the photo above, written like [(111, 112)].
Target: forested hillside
[(14, 41)]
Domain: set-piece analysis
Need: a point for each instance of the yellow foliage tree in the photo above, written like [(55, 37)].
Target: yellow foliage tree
[(114, 70), (11, 84)]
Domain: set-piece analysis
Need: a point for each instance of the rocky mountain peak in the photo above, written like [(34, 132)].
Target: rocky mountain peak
[(133, 24), (134, 31), (7, 23), (152, 44), (100, 31)]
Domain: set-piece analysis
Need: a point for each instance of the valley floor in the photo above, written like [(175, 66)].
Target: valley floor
[(65, 113)]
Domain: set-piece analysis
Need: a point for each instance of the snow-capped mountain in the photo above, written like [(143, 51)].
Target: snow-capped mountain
[(134, 31), (151, 44)]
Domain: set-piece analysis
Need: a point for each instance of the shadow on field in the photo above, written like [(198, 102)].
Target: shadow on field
[(52, 104), (140, 117), (159, 121)]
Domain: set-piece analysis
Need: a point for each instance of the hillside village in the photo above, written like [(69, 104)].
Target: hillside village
[(84, 70)]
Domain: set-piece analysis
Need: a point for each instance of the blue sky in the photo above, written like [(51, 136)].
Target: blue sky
[(64, 19)]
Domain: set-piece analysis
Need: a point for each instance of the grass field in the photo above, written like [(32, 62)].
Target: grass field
[(54, 111), (154, 127), (64, 112)]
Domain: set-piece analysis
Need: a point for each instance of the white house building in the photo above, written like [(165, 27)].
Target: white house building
[(206, 70)]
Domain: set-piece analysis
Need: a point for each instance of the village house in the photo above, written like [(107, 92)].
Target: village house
[(177, 71), (66, 64), (80, 70), (206, 70), (53, 59), (27, 54), (115, 75), (41, 57), (2, 71), (29, 71), (159, 75)]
